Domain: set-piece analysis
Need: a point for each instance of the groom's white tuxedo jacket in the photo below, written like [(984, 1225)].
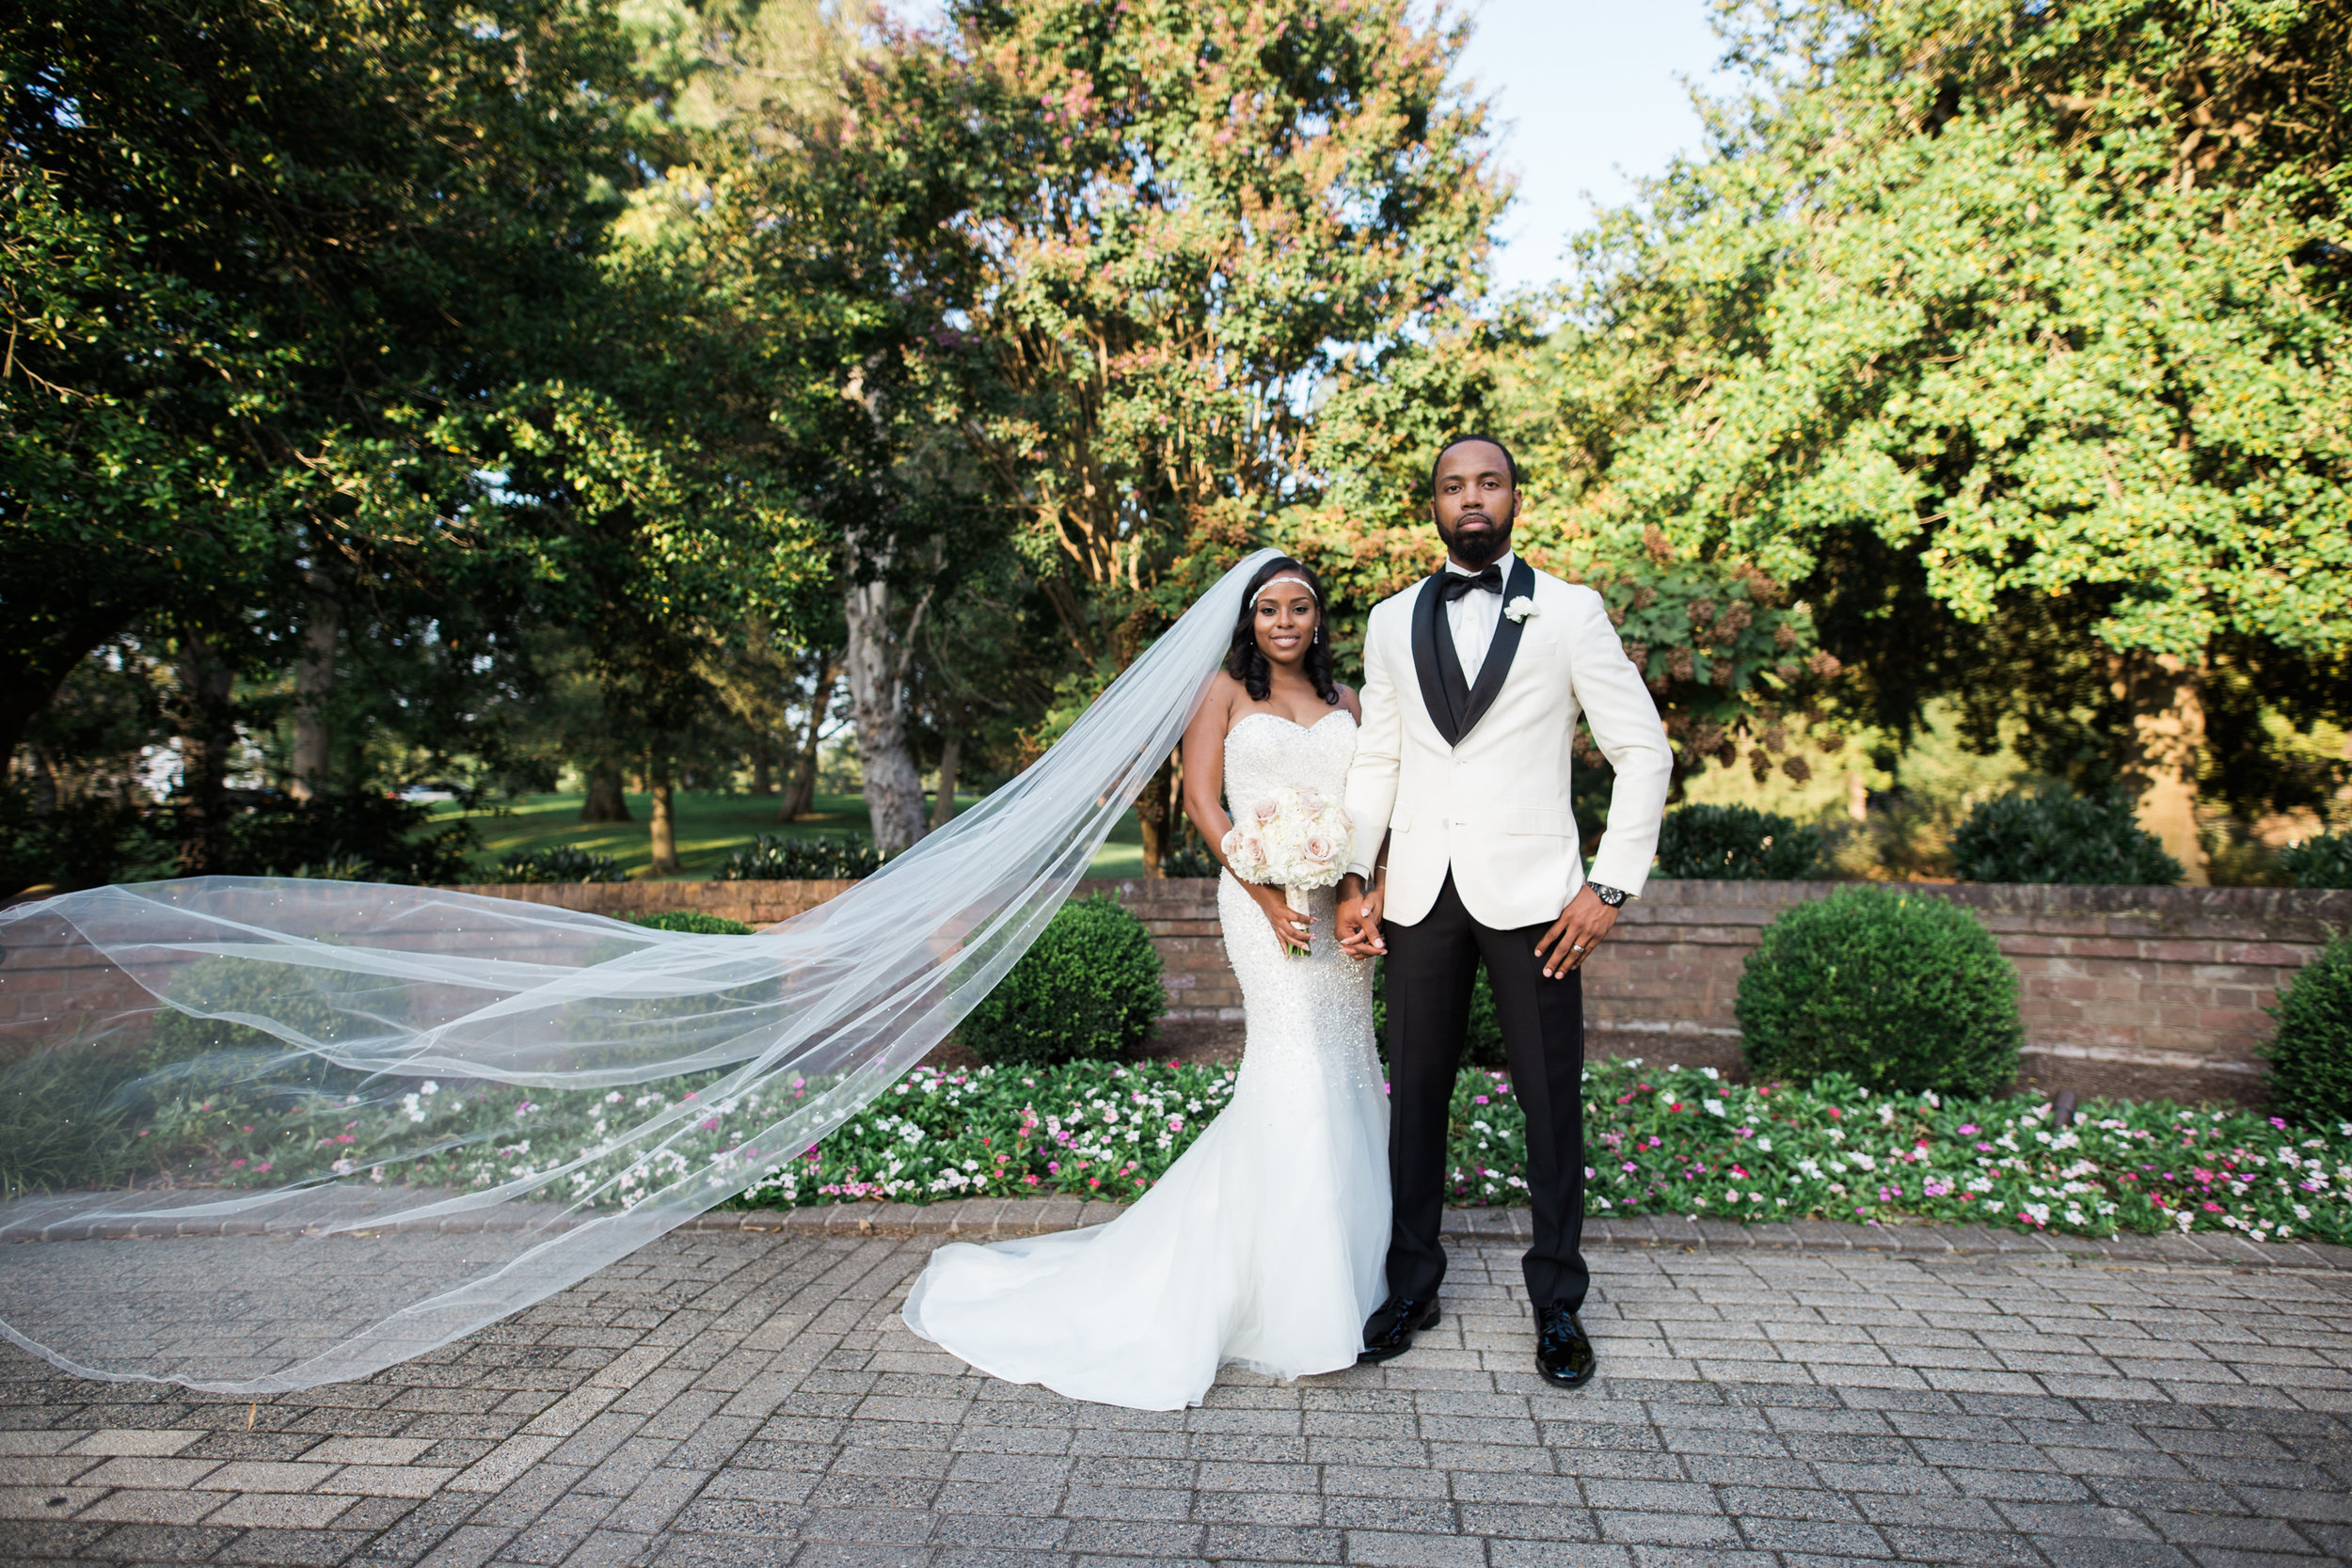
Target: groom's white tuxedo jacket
[(1477, 780)]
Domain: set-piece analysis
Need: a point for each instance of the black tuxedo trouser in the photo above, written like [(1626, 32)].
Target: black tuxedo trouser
[(1432, 966)]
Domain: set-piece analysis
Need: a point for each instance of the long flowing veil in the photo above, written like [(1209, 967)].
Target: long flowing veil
[(262, 1133)]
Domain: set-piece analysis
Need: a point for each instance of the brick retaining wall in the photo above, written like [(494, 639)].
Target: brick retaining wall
[(2146, 992)]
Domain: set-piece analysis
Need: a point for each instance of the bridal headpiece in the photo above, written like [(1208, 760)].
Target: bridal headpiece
[(1276, 582)]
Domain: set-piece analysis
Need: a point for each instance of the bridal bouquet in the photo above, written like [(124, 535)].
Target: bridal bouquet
[(1294, 839)]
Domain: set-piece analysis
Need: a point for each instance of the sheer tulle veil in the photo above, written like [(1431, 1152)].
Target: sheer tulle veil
[(382, 1118)]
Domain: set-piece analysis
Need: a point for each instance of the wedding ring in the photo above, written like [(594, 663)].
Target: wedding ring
[(1576, 946)]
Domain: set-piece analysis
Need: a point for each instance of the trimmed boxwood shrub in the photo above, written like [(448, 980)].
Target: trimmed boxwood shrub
[(2322, 862), (563, 863), (2310, 1057), (1737, 844), (1902, 991), (1089, 987), (2054, 837), (776, 858), (693, 921)]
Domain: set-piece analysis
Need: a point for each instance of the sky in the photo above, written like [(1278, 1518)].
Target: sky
[(1589, 95)]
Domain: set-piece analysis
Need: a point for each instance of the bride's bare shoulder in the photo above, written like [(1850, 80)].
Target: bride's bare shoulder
[(1226, 697), (1350, 701)]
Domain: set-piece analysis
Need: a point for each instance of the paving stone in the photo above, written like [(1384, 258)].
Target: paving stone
[(737, 1396)]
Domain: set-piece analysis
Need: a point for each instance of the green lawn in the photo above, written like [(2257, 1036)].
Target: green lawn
[(709, 827)]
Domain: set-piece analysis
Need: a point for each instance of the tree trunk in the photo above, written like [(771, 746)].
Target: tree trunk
[(314, 684), (877, 668), (665, 823), (2167, 742), (606, 802), (800, 790), (1151, 813), (944, 802), (208, 731), (763, 770)]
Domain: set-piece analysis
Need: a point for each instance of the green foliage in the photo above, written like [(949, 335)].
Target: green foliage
[(1736, 844), (1089, 987), (562, 863), (2310, 1057), (61, 1124), (1482, 1044), (2322, 862), (268, 267), (85, 843), (329, 1006), (1905, 991), (778, 858), (692, 921), (363, 836), (1976, 333), (2052, 836)]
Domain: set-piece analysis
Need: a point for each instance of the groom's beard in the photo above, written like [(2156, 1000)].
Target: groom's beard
[(1479, 547)]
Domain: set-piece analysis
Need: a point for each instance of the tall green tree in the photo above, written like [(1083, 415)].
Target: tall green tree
[(270, 271), (2015, 338)]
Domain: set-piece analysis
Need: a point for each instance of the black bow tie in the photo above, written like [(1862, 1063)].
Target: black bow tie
[(1457, 583)]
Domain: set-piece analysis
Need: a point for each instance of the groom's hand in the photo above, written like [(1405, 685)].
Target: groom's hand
[(1359, 919), (1575, 934)]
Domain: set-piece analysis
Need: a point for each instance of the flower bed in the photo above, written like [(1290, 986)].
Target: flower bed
[(1670, 1141), (1683, 1142)]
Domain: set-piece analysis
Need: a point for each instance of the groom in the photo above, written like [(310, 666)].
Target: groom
[(1474, 680)]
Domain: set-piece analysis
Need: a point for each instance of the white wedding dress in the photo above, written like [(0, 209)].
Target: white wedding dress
[(1264, 1246)]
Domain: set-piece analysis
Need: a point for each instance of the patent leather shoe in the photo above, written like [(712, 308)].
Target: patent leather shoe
[(1389, 1332), (1563, 1352)]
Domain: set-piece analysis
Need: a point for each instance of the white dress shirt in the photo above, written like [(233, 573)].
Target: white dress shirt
[(1475, 617), (1472, 618)]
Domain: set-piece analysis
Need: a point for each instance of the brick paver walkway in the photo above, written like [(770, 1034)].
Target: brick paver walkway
[(733, 1395)]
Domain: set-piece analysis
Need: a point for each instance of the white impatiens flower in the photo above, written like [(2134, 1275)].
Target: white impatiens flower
[(1521, 609)]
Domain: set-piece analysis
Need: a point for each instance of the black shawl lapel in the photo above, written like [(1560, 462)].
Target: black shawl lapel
[(1431, 653), (1501, 651)]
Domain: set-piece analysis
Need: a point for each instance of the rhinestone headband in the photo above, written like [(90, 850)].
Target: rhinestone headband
[(1276, 582)]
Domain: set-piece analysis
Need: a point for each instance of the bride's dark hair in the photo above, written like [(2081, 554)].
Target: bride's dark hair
[(1247, 662)]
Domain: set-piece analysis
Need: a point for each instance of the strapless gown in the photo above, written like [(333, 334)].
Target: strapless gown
[(1264, 1244)]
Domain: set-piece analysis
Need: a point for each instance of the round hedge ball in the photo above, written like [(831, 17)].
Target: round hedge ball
[(1089, 987), (1902, 991), (2310, 1057)]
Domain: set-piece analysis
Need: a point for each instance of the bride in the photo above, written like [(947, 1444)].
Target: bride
[(1264, 1246)]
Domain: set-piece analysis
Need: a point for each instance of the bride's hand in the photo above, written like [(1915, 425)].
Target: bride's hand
[(1292, 929)]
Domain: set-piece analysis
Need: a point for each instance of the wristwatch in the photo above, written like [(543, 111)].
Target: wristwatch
[(1612, 896)]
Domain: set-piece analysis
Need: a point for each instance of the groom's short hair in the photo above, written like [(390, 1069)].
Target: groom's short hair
[(1509, 463)]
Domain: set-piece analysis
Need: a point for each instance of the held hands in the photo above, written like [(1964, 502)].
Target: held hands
[(1575, 934), (1359, 919)]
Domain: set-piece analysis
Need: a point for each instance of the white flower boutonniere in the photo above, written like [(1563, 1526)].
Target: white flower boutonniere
[(1521, 609)]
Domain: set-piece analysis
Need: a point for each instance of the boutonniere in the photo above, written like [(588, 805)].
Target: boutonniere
[(1520, 607)]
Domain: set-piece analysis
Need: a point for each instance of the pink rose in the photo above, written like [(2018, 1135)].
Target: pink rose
[(1316, 852), (1309, 802), (1265, 811)]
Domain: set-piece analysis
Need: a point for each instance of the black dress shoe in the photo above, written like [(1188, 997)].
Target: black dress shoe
[(1563, 1353), (1389, 1332)]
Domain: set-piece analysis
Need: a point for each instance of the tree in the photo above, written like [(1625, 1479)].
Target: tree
[(1144, 235), (268, 271), (2030, 319)]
